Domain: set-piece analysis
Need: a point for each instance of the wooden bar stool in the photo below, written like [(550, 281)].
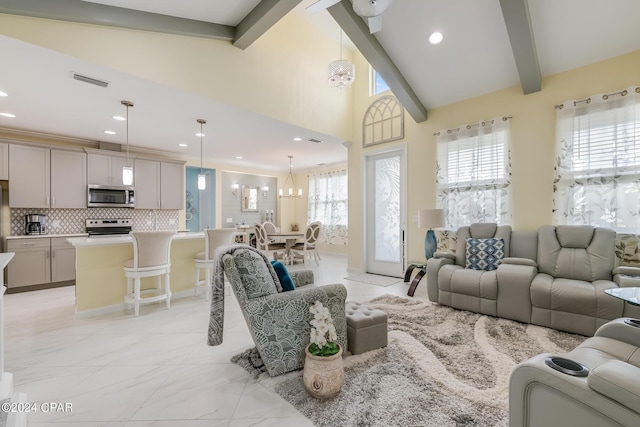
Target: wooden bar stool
[(151, 257)]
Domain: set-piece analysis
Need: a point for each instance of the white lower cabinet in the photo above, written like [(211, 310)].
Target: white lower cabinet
[(39, 261)]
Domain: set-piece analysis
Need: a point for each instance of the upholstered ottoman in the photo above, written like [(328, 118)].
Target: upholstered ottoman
[(366, 327)]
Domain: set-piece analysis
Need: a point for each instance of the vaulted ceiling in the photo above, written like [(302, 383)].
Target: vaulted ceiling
[(488, 45)]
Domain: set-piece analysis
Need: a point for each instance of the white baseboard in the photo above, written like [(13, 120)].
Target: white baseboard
[(94, 312)]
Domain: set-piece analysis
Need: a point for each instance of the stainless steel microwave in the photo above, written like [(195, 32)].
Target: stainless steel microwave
[(104, 196)]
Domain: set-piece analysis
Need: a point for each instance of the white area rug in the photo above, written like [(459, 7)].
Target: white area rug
[(375, 279), (443, 367)]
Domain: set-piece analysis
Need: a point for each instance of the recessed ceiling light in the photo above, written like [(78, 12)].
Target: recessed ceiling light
[(3, 93), (297, 138), (200, 134), (11, 116), (120, 118), (239, 157), (182, 145), (435, 38), (109, 132)]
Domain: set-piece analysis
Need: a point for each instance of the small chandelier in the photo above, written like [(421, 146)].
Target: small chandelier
[(342, 73), (127, 170), (202, 177), (290, 194)]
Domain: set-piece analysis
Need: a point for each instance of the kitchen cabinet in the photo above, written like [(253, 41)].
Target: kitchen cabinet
[(172, 185), (4, 161), (105, 169), (63, 260), (159, 185), (68, 179), (47, 178), (29, 177), (40, 260), (31, 265)]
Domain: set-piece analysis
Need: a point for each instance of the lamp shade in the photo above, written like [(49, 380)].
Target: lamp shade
[(431, 218)]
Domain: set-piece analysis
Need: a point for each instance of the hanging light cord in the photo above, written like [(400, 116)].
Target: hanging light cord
[(200, 146)]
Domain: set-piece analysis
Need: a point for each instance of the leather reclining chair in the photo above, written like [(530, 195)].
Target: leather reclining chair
[(605, 394)]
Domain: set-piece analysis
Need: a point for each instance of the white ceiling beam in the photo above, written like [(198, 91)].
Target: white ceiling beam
[(99, 14), (518, 22), (374, 53), (260, 19)]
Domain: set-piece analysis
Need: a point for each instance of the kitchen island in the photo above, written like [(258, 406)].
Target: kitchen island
[(100, 281)]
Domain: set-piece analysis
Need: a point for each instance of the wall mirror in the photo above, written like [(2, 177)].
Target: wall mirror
[(249, 201)]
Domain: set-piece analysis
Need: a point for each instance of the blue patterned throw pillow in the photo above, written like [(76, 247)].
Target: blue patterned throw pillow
[(484, 254)]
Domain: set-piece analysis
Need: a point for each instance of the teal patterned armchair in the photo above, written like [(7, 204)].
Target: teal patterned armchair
[(279, 321)]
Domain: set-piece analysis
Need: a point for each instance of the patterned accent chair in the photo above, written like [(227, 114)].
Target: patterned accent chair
[(279, 321)]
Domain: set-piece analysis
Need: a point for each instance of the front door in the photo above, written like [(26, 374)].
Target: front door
[(385, 207)]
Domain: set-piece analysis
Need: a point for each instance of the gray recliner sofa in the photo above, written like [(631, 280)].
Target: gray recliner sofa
[(450, 283), (555, 277)]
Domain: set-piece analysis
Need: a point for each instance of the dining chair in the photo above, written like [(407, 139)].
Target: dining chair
[(214, 238), (310, 244), (151, 258), (262, 241)]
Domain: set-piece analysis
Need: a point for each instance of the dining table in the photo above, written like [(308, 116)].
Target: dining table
[(290, 238)]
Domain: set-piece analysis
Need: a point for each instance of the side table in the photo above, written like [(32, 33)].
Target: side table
[(422, 265)]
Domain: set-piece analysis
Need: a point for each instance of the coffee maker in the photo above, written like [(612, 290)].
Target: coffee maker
[(35, 224)]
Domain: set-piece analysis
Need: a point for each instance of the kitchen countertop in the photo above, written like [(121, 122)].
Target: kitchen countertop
[(40, 236), (84, 242)]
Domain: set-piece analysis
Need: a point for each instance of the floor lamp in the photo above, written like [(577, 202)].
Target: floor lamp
[(430, 219)]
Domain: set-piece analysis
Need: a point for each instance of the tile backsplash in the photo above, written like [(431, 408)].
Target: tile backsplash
[(71, 221)]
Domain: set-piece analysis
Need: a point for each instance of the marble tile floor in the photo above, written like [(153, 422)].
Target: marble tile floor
[(153, 370)]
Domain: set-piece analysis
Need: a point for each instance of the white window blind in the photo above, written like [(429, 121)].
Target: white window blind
[(473, 173), (597, 173)]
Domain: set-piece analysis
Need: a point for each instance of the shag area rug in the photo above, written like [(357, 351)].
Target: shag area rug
[(375, 279), (442, 367)]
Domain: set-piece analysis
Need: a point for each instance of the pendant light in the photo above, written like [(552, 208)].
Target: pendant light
[(202, 177), (342, 73), (290, 194), (127, 170)]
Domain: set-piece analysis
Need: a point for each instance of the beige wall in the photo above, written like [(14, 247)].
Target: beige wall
[(282, 75), (532, 150)]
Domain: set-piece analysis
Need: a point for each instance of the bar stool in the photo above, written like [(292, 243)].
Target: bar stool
[(215, 237), (151, 257)]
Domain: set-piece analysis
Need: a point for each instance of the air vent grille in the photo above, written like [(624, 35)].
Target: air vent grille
[(90, 80), (317, 141)]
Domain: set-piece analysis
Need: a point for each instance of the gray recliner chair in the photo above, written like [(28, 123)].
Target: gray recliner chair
[(595, 385), (575, 264), (450, 283)]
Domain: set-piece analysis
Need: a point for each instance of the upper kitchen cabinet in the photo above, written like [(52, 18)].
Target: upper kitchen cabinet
[(159, 185), (68, 179), (29, 177), (44, 178), (172, 185), (4, 161), (105, 169)]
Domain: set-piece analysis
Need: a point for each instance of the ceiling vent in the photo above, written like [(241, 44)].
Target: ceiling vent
[(317, 141), (90, 80)]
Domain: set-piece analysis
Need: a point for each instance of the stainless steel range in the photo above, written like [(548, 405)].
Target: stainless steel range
[(108, 227)]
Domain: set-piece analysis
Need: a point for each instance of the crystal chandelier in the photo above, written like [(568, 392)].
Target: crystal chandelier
[(342, 73), (290, 194)]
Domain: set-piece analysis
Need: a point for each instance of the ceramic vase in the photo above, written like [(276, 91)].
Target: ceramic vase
[(323, 376)]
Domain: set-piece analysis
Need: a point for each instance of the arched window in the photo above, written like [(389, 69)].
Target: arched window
[(383, 121)]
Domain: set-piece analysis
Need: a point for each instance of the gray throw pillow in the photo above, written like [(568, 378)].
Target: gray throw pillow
[(254, 274)]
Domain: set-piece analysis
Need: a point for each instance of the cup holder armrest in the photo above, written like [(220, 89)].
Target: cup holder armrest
[(567, 366), (624, 329)]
